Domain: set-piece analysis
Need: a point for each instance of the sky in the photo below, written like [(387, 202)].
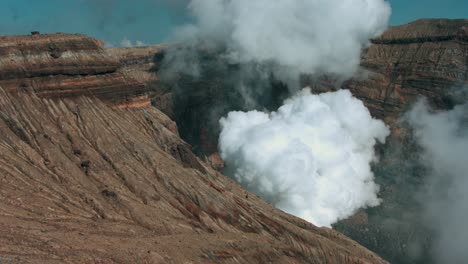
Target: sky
[(126, 22)]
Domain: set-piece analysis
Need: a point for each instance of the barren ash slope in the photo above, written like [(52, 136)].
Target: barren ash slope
[(90, 172)]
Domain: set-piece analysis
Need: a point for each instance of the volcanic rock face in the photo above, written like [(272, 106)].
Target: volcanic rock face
[(423, 58), (62, 65), (81, 182), (108, 180), (142, 63)]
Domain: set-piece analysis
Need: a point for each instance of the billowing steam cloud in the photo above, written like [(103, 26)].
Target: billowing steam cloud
[(310, 158), (444, 138), (307, 36)]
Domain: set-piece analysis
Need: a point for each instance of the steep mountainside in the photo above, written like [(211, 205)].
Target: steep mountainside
[(89, 173), (63, 65), (424, 58)]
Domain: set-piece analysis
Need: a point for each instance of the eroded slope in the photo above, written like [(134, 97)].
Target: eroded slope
[(66, 65), (82, 182)]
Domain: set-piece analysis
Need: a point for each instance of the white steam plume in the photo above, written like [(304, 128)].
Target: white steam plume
[(305, 36), (444, 138), (311, 158), (126, 43)]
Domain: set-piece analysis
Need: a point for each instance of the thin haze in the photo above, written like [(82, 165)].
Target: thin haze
[(444, 138)]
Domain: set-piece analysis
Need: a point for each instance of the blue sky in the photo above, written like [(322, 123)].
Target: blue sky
[(405, 11), (151, 21)]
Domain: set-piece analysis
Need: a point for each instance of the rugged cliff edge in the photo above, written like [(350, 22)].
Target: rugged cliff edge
[(64, 65), (91, 173), (424, 58)]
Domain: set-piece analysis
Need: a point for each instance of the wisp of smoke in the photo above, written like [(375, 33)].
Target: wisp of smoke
[(444, 138), (126, 43), (311, 158), (303, 36)]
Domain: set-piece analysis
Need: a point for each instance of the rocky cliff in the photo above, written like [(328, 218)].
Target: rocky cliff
[(423, 58), (64, 65), (91, 173)]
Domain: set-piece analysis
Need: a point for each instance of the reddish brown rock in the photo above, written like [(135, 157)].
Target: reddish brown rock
[(216, 161), (142, 64), (81, 182), (90, 172), (424, 58), (64, 65), (52, 54)]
